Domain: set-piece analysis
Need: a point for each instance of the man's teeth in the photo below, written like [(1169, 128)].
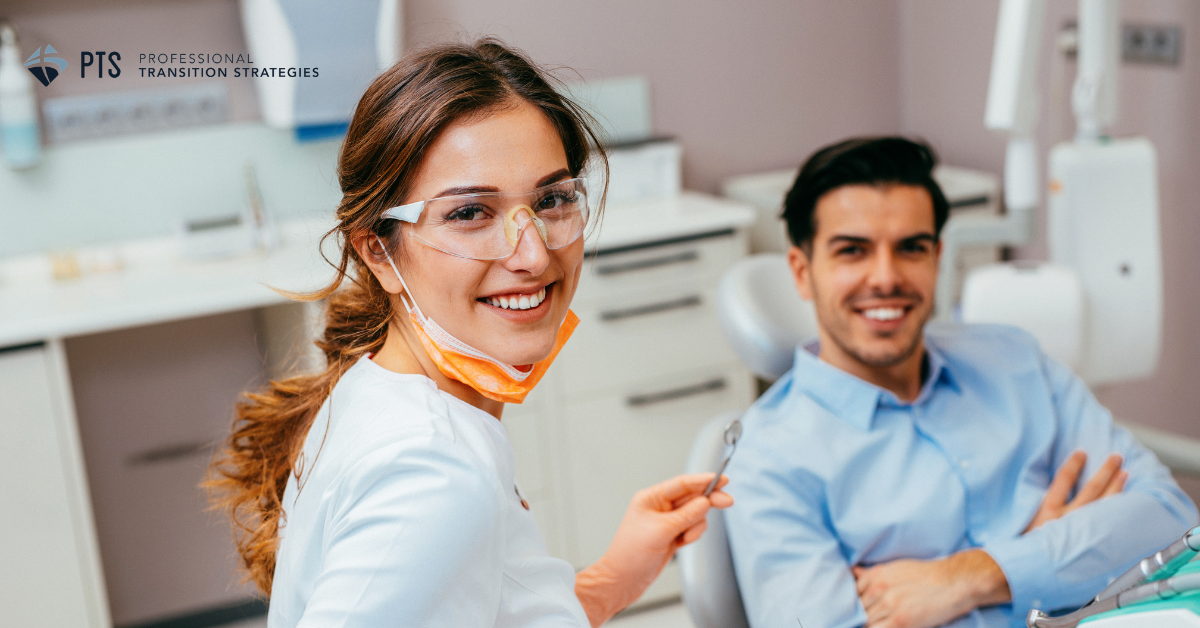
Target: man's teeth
[(519, 301), (884, 313)]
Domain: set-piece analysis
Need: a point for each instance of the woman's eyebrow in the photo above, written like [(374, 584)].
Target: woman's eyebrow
[(553, 177)]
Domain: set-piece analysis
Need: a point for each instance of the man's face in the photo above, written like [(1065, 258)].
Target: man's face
[(871, 273)]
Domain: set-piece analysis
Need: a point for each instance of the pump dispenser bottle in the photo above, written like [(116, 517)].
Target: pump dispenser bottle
[(20, 138)]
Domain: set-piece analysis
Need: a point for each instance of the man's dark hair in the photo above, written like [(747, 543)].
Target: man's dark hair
[(860, 161)]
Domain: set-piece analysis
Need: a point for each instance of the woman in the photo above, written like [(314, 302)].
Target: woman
[(381, 491)]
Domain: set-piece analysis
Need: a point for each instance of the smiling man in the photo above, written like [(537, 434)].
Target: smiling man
[(914, 475)]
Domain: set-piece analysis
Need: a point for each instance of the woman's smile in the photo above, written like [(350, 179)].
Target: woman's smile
[(522, 305)]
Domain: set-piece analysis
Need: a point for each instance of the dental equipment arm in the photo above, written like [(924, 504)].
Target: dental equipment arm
[(1128, 589), (1011, 108), (1160, 566)]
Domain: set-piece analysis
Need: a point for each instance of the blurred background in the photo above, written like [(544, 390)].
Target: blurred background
[(145, 358)]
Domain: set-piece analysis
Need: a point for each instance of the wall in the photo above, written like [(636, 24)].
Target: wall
[(746, 86), (946, 49)]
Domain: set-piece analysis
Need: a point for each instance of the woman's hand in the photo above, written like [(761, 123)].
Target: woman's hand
[(660, 520)]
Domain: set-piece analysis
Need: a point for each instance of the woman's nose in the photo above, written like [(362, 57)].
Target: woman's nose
[(530, 254)]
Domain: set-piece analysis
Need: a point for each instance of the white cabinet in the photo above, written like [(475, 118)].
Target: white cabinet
[(645, 370), (49, 567)]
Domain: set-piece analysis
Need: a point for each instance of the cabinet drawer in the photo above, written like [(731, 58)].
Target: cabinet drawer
[(638, 436), (643, 336), (609, 274)]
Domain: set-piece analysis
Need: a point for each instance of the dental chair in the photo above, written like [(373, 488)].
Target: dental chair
[(764, 319)]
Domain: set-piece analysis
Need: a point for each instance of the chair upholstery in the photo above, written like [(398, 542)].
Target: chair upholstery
[(710, 588)]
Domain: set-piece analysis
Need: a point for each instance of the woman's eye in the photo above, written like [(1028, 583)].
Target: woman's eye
[(465, 214), (558, 199)]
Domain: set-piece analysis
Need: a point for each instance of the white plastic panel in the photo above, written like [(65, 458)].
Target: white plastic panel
[(1045, 300), (1103, 222), (1170, 618)]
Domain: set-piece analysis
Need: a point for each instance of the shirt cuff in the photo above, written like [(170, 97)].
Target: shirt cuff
[(1025, 565)]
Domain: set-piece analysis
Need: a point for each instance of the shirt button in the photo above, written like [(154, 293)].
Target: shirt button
[(981, 537), (964, 463), (1037, 603)]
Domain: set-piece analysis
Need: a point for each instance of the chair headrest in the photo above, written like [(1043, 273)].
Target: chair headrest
[(762, 315)]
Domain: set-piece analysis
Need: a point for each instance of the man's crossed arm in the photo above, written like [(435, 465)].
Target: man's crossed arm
[(925, 593)]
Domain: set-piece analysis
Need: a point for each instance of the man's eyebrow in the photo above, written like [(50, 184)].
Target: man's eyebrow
[(920, 237), (553, 177), (848, 239)]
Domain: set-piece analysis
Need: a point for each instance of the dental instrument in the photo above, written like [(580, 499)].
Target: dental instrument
[(733, 432)]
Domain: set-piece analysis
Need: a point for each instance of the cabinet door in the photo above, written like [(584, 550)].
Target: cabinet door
[(624, 442), (49, 570)]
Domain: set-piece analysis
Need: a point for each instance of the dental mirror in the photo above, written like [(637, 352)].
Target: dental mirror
[(733, 432)]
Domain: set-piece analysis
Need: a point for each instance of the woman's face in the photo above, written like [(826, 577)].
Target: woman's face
[(515, 149)]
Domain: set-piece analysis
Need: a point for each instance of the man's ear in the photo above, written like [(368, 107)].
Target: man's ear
[(370, 251), (801, 271)]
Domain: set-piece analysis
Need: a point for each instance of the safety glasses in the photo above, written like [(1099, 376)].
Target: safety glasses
[(488, 225)]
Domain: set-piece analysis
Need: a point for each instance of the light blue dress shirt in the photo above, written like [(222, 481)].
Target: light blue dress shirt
[(833, 472)]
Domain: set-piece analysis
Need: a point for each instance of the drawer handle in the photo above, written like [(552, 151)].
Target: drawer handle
[(168, 453), (652, 262), (653, 308), (676, 393)]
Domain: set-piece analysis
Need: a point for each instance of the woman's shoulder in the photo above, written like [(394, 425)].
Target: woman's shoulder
[(377, 417)]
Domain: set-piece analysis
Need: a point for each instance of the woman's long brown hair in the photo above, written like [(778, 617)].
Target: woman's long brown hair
[(399, 117)]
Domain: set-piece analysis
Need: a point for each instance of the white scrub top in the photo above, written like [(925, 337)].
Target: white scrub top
[(406, 513)]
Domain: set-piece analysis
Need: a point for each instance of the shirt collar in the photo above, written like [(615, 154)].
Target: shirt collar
[(853, 399)]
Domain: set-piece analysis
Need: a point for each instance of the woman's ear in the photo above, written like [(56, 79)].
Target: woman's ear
[(370, 250)]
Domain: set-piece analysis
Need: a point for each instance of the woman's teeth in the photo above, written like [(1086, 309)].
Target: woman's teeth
[(884, 313), (518, 301)]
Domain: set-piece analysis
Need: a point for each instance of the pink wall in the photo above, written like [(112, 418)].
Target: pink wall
[(746, 86), (946, 49)]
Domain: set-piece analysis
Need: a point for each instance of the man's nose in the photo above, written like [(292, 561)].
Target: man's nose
[(530, 254), (885, 276)]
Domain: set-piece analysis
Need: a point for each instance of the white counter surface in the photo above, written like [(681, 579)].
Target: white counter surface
[(157, 285)]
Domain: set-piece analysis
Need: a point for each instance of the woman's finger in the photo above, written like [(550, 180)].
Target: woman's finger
[(1095, 486), (693, 533), (675, 488), (720, 499)]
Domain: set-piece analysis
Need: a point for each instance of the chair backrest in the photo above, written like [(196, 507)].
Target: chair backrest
[(762, 315), (710, 588)]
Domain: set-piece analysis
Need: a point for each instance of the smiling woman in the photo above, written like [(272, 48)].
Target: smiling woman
[(464, 208)]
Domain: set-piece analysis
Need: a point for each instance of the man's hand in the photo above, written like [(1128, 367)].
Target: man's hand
[(1109, 480), (924, 593)]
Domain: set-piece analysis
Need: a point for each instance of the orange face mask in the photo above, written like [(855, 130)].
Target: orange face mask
[(462, 362)]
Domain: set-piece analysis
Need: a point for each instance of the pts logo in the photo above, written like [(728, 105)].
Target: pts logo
[(45, 73), (87, 59)]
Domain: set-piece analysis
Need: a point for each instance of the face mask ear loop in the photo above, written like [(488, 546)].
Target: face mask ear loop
[(405, 297)]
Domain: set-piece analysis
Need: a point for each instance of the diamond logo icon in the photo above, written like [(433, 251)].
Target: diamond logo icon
[(45, 74)]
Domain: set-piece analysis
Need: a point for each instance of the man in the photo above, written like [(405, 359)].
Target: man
[(911, 476)]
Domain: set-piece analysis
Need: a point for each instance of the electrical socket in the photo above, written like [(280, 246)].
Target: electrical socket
[(1143, 43), (109, 114)]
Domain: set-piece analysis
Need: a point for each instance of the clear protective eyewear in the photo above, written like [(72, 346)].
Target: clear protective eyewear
[(488, 225)]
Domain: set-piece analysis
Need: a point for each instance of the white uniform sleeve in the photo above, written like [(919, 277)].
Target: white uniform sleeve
[(414, 538)]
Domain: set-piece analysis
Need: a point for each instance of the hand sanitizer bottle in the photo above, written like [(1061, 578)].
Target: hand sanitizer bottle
[(20, 139)]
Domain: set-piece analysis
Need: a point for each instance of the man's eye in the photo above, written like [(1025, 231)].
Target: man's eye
[(849, 251), (915, 247)]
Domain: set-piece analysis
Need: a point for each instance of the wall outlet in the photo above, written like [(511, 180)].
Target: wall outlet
[(109, 114), (1143, 43)]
